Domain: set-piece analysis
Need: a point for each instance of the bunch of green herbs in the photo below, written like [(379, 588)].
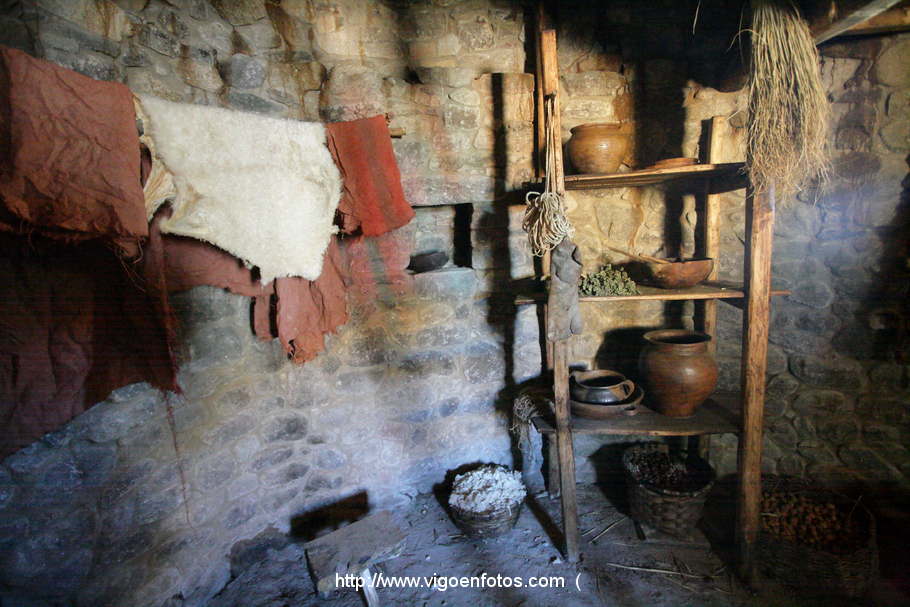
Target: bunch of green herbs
[(607, 281)]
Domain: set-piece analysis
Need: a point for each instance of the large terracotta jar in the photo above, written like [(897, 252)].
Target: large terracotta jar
[(598, 147), (678, 370)]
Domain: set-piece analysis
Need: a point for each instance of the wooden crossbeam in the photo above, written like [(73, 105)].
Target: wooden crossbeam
[(842, 15)]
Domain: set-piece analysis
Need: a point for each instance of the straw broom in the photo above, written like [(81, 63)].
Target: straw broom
[(788, 107)]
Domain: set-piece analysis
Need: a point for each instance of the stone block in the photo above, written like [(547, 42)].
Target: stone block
[(93, 65), (240, 514), (286, 428), (330, 460), (890, 377), (424, 365), (217, 35), (891, 65), (14, 34), (141, 80), (289, 82), (829, 372), (200, 73), (814, 402), (94, 462), (352, 92), (474, 35), (813, 293), (292, 472), (240, 12), (836, 431), (446, 284), (259, 37), (214, 471), (593, 83), (457, 117), (443, 336), (229, 430), (243, 72), (866, 462), (159, 41), (779, 390), (156, 506), (484, 363), (458, 77), (271, 458), (247, 102)]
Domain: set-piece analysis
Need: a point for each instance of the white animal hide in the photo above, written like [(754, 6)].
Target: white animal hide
[(263, 189)]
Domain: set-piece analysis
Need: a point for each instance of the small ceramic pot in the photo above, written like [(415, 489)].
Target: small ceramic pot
[(678, 370), (600, 387), (598, 147)]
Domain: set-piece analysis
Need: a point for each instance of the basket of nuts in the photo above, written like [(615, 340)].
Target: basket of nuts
[(816, 538), (666, 492)]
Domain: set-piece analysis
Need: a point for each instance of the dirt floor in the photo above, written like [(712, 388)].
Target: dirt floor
[(616, 568)]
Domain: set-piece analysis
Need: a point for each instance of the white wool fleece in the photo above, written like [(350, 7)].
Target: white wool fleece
[(263, 189)]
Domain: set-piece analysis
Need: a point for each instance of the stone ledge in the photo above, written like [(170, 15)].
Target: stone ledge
[(460, 283)]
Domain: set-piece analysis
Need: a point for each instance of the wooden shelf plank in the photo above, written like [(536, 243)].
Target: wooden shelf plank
[(709, 290), (717, 415), (651, 176)]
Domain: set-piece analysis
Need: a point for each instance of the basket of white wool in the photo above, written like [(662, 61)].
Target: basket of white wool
[(486, 501)]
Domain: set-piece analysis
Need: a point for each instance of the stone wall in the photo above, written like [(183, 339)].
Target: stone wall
[(837, 405), (142, 499)]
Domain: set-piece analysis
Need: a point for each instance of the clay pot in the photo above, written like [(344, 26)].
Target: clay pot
[(678, 370), (598, 147), (600, 387)]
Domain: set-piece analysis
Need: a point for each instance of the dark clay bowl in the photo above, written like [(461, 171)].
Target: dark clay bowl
[(600, 387), (678, 274)]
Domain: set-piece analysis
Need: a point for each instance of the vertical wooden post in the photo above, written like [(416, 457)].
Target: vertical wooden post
[(566, 451), (759, 227), (540, 143), (552, 467), (550, 64), (712, 227)]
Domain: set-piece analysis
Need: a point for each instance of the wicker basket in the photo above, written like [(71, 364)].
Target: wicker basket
[(486, 525), (673, 512), (814, 570)]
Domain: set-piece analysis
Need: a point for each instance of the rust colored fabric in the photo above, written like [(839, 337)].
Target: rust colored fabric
[(297, 311), (75, 324), (69, 154), (307, 310), (373, 199)]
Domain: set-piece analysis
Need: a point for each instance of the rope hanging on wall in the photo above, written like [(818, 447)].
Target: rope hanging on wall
[(545, 216)]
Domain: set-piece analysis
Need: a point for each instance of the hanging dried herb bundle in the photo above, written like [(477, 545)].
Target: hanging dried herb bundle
[(788, 108), (607, 281)]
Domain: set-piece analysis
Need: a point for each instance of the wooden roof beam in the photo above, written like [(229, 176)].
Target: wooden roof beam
[(896, 19), (841, 15)]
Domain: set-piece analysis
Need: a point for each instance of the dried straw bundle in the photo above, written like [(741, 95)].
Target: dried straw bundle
[(788, 108)]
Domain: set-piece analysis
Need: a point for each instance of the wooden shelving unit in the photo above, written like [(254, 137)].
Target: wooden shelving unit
[(718, 415), (706, 290), (740, 414), (653, 176)]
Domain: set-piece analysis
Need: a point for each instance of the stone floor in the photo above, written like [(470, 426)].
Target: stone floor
[(272, 571)]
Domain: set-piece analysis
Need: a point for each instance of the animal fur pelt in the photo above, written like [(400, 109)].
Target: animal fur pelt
[(263, 189)]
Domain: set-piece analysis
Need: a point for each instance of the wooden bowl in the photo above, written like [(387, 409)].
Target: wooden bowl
[(678, 274), (669, 163)]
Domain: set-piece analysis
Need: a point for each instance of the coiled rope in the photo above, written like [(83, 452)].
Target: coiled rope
[(545, 215)]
